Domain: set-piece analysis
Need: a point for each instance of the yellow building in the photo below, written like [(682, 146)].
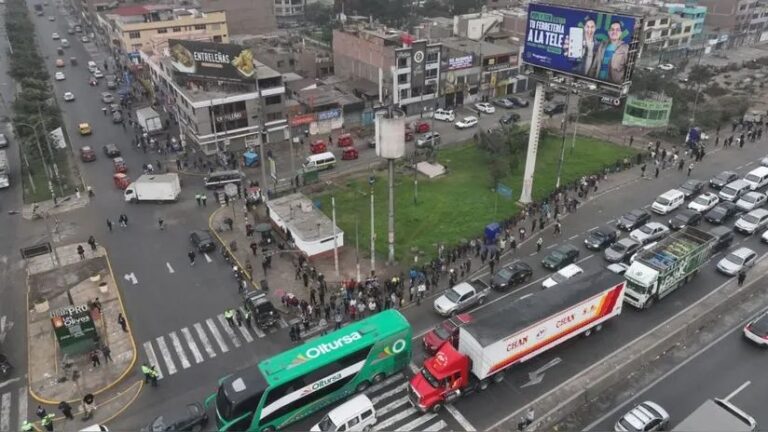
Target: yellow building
[(141, 27)]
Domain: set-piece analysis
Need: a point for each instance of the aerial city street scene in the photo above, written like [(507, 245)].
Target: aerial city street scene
[(383, 215)]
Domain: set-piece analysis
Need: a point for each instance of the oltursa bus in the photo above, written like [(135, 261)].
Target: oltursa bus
[(291, 385)]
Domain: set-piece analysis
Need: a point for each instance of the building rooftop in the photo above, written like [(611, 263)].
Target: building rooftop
[(325, 95), (302, 218), (470, 46), (143, 14)]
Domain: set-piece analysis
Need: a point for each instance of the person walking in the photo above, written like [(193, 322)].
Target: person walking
[(690, 168), (147, 372), (204, 199), (239, 317), (337, 319), (92, 243), (66, 409), (539, 242), (742, 276), (122, 322), (40, 412), (558, 228), (123, 220), (229, 315), (247, 317), (109, 225), (154, 375), (656, 173), (161, 224), (95, 362), (81, 252), (191, 256), (107, 353), (642, 170), (199, 200)]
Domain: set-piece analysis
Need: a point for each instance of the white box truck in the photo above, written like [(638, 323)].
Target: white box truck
[(150, 120), (513, 333), (5, 171), (717, 415), (154, 187), (672, 262)]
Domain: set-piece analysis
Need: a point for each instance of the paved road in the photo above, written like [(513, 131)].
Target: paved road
[(734, 369)]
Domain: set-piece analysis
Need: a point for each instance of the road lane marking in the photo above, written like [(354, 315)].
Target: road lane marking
[(170, 269), (416, 423), (5, 412), (389, 393), (204, 339), (150, 352), (192, 345), (396, 418), (166, 353), (244, 331), (436, 427), (9, 382), (217, 335), (381, 385), (229, 331), (179, 350), (207, 258), (735, 392), (391, 406), (573, 237), (22, 406)]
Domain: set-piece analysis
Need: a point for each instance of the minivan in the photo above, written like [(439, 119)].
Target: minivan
[(757, 178), (444, 115), (668, 201), (320, 161), (733, 190), (218, 179), (356, 414)]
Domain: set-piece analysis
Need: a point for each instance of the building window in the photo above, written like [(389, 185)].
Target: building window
[(402, 62), (648, 35), (136, 47), (664, 33), (404, 93), (432, 57), (687, 29), (274, 116), (651, 23), (230, 116), (199, 26), (416, 91), (161, 31), (430, 73), (280, 63), (273, 100), (134, 35), (176, 29), (217, 38), (429, 89), (216, 26), (291, 62), (402, 79), (664, 21)]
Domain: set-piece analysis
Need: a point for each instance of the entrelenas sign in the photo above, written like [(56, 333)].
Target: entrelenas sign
[(223, 62)]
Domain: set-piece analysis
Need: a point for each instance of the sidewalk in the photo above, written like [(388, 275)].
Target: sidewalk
[(80, 326)]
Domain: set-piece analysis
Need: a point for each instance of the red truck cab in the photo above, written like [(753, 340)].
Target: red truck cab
[(441, 379), (447, 330)]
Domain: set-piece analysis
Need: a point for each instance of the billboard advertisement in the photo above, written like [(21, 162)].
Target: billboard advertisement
[(595, 45), (208, 60)]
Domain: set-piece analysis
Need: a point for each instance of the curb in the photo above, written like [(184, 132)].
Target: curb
[(225, 246), (133, 343), (119, 412)]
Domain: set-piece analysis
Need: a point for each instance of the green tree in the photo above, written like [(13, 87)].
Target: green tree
[(319, 14)]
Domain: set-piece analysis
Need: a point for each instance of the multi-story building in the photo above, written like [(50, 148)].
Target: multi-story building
[(690, 11), (743, 20), (665, 33), (288, 53), (245, 17), (219, 113), (289, 12), (132, 28)]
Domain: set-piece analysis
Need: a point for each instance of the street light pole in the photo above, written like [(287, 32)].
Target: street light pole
[(562, 145)]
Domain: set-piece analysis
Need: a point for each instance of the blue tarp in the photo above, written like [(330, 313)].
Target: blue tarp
[(250, 158)]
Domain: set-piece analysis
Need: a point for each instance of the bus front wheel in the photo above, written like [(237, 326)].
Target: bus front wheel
[(362, 386), (268, 429)]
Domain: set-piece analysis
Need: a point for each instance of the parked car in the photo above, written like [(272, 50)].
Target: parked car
[(59, 76), (645, 417), (117, 117), (560, 257), (722, 179), (685, 218), (55, 36), (485, 107), (421, 127), (721, 213), (522, 103), (704, 202), (84, 39), (618, 268), (750, 201), (736, 261), (265, 316), (466, 122), (202, 241), (447, 330), (757, 330), (503, 103), (649, 232), (513, 274), (633, 219), (509, 118), (111, 151), (691, 187), (600, 238), (98, 74), (444, 115), (562, 275), (85, 129), (554, 108), (621, 250)]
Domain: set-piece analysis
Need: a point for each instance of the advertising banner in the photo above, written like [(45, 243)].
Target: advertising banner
[(74, 329), (223, 62), (463, 62), (590, 44)]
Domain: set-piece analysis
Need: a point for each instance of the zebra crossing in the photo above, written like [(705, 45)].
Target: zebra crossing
[(189, 346), (13, 407)]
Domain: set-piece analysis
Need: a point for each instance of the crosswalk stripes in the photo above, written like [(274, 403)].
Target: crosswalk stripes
[(152, 358), (255, 329), (192, 345), (5, 412), (10, 421), (229, 331), (179, 350), (217, 335), (204, 339), (169, 364)]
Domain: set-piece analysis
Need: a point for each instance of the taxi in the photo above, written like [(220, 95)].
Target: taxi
[(59, 63), (85, 129)]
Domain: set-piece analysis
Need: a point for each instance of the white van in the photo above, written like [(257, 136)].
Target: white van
[(444, 115), (733, 190), (757, 178), (356, 414), (320, 161), (92, 65), (668, 201)]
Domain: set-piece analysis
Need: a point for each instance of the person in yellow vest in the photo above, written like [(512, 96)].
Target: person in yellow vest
[(27, 426), (47, 422), (154, 375), (147, 371)]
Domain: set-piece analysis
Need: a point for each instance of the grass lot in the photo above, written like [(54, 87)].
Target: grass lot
[(42, 192), (459, 205)]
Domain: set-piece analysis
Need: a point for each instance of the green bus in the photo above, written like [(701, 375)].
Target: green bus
[(291, 385)]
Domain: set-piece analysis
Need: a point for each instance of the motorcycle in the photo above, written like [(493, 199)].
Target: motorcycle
[(5, 366)]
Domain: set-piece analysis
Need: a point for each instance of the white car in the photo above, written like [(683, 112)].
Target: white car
[(59, 76), (704, 202), (736, 261), (647, 416), (750, 201), (562, 275), (55, 36), (444, 115), (764, 161), (666, 67), (84, 39), (485, 107), (466, 122), (69, 96), (617, 268), (649, 232), (98, 74)]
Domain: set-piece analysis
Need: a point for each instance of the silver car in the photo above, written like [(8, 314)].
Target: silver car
[(736, 261), (647, 416), (649, 232)]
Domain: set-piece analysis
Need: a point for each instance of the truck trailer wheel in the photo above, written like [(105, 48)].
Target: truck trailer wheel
[(499, 377), (587, 333), (483, 385), (436, 408)]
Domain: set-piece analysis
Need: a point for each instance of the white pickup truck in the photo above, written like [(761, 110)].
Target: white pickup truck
[(461, 297)]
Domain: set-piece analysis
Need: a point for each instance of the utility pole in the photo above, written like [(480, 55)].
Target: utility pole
[(373, 236), (357, 247), (562, 144), (335, 241), (264, 137)]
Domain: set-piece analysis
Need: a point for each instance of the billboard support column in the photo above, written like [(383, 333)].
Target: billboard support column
[(533, 144)]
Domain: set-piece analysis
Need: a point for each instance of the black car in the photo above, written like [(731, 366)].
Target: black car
[(685, 218), (721, 213), (560, 257), (519, 102), (111, 151), (724, 238), (202, 240), (192, 418), (117, 117), (512, 274), (600, 238), (722, 179), (633, 219), (264, 313), (691, 187), (554, 108), (509, 118), (622, 250), (503, 103)]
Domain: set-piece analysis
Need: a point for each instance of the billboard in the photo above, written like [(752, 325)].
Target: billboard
[(590, 44), (74, 329), (208, 60)]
